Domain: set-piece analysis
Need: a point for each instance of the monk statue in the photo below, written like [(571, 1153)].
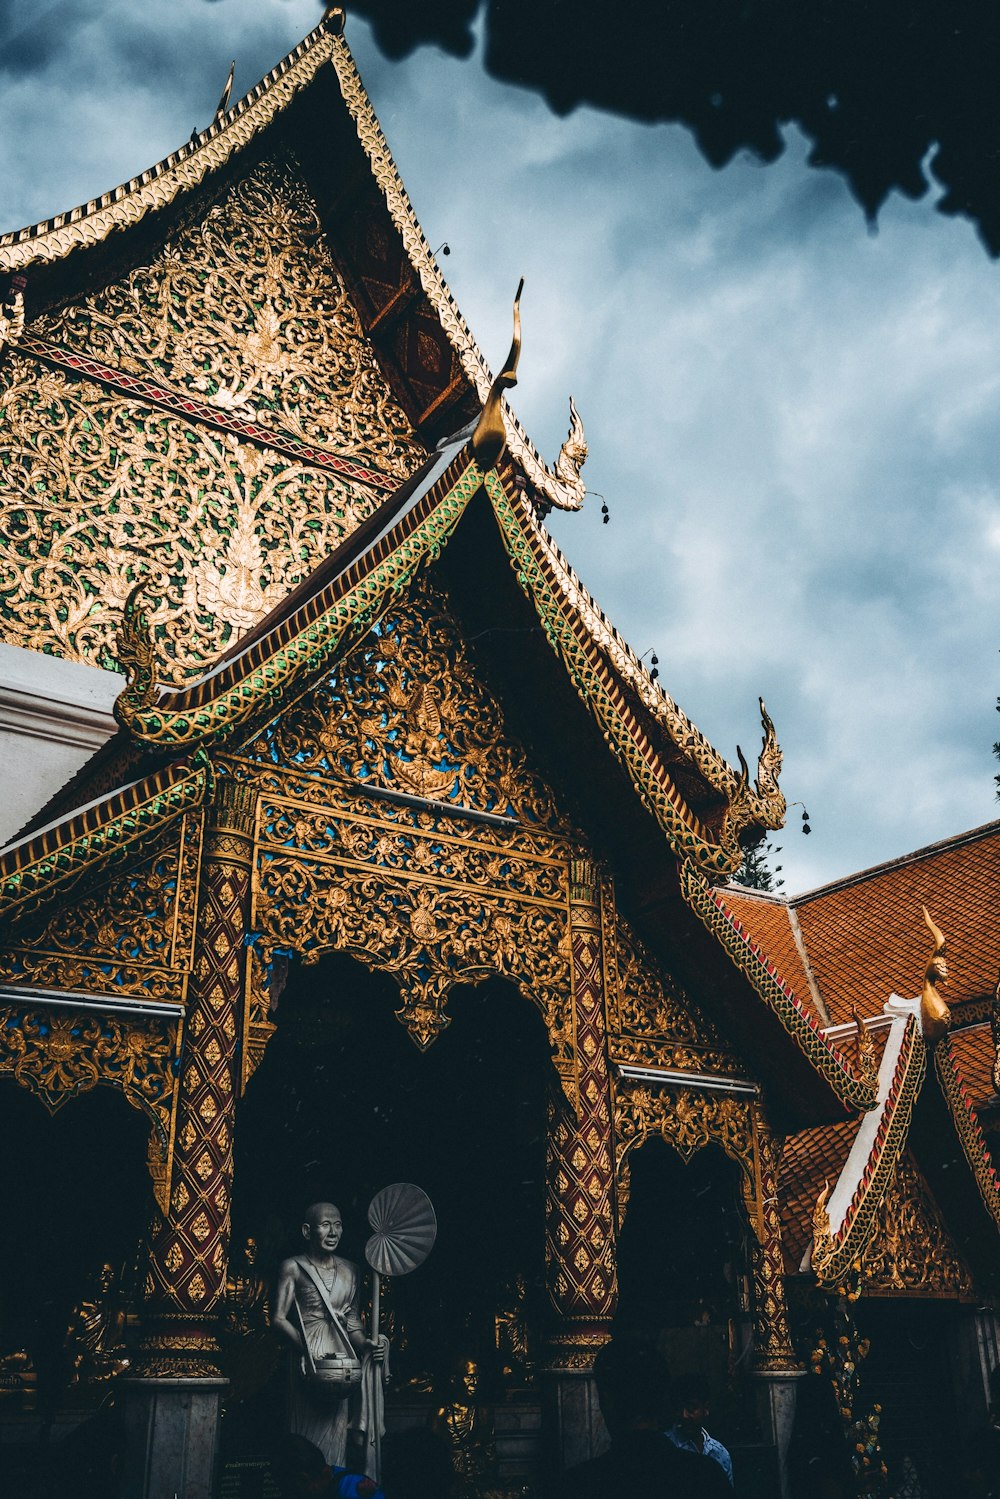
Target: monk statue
[(95, 1335), (246, 1311), (510, 1331), (335, 1370), (467, 1426)]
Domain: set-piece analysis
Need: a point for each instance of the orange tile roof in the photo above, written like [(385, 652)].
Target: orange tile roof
[(809, 1160), (865, 937), (973, 1052), (767, 919)]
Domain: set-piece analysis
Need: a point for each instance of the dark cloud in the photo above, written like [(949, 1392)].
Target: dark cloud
[(794, 423)]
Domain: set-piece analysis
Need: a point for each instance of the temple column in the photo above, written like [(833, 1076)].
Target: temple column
[(580, 1246), (172, 1405), (776, 1369)]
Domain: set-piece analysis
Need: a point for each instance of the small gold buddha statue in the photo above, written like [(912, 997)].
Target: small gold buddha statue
[(468, 1428), (510, 1331), (95, 1340), (247, 1308)]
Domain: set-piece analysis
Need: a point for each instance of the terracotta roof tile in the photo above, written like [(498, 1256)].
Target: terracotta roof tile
[(767, 919), (973, 1052), (810, 1158), (865, 936)]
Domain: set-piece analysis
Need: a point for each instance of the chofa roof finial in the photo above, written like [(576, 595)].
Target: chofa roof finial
[(490, 436), (223, 103), (935, 1016)]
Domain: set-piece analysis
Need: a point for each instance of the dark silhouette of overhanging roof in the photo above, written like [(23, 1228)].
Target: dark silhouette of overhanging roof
[(894, 94)]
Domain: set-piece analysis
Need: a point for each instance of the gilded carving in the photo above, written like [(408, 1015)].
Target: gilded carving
[(867, 1058), (935, 1016), (104, 493), (432, 899), (406, 710), (133, 933), (912, 1249), (651, 1020), (59, 1054), (688, 1120), (429, 935), (246, 311), (12, 319)]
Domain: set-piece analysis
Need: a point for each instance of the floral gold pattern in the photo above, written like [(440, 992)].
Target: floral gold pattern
[(246, 311), (911, 1249)]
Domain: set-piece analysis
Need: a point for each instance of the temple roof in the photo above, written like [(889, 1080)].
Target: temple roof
[(451, 498), (405, 283), (315, 94), (858, 942), (860, 939), (674, 804)]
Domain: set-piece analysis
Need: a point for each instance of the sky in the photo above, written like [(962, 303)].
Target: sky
[(793, 420)]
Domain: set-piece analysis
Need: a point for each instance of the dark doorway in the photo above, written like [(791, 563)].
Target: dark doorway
[(76, 1194), (344, 1104), (682, 1275), (681, 1251)]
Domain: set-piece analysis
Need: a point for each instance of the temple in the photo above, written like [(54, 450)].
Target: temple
[(348, 843)]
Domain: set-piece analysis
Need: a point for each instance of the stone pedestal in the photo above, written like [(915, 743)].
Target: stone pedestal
[(171, 1437), (776, 1397), (571, 1420)]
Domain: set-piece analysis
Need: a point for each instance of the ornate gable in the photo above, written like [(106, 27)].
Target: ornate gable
[(912, 1250), (213, 424), (127, 936), (406, 712)]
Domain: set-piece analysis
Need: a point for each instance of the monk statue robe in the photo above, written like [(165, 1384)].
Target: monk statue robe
[(95, 1335), (317, 1313)]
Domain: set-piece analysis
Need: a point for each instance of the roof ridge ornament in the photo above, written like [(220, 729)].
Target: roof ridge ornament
[(765, 807), (565, 487), (490, 437), (935, 1016), (136, 656), (223, 103), (867, 1064)]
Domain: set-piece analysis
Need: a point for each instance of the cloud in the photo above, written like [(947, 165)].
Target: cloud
[(794, 422)]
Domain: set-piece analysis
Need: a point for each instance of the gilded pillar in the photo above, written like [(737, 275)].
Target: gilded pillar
[(580, 1215), (775, 1365), (189, 1244), (773, 1351)]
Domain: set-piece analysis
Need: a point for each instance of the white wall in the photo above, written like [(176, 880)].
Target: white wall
[(53, 715)]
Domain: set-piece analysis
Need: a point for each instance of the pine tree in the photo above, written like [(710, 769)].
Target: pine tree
[(756, 872)]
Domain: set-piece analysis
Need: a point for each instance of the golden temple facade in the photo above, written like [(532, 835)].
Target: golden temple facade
[(379, 752)]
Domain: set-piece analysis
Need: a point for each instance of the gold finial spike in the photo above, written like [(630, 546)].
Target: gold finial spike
[(223, 103), (935, 1016), (490, 436)]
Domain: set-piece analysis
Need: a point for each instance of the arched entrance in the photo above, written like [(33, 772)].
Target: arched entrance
[(684, 1272), (343, 1103), (76, 1195)]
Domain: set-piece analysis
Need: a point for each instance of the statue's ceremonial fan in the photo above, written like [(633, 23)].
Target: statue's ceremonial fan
[(403, 1232), (403, 1229)]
